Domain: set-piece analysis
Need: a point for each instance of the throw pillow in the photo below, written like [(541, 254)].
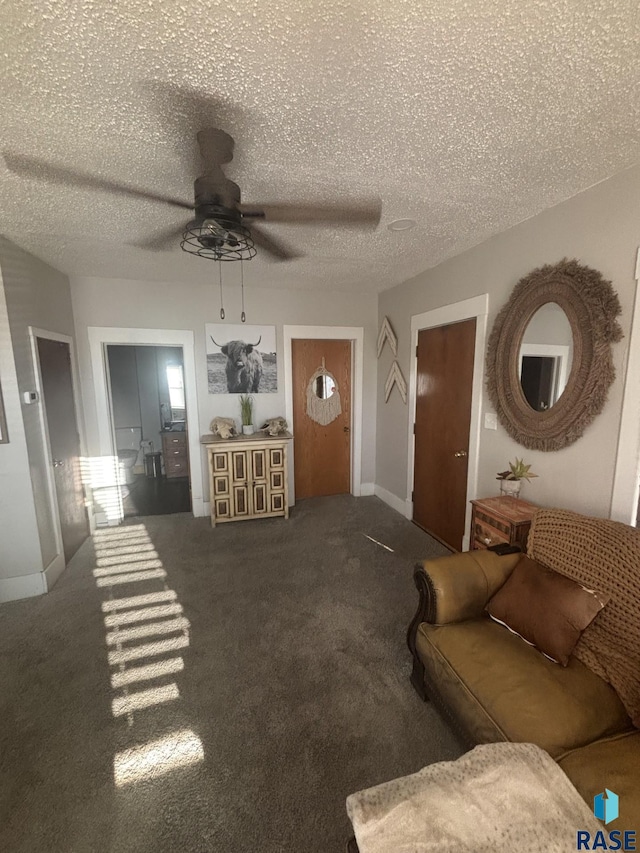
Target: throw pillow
[(546, 609)]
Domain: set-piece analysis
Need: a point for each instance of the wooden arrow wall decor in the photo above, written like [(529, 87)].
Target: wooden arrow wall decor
[(387, 334), (395, 377)]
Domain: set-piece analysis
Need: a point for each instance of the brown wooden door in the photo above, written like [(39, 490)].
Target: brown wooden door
[(443, 418), (64, 441), (322, 454)]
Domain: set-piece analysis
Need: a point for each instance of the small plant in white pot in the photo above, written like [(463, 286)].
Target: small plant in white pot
[(246, 412), (511, 480)]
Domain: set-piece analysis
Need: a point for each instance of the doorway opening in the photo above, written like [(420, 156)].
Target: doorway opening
[(150, 429), (354, 335), (443, 416), (322, 416), (444, 464), (54, 366)]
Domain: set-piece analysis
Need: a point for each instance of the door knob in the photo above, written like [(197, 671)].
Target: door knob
[(460, 453), (346, 429), (58, 463)]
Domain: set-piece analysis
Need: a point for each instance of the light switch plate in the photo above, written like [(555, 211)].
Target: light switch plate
[(490, 420)]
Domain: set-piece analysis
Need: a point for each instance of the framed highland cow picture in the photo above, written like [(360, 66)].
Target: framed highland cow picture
[(241, 359)]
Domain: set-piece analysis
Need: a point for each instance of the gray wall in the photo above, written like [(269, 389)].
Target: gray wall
[(601, 228), (36, 295), (157, 305)]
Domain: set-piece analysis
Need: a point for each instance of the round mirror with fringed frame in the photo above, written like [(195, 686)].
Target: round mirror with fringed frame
[(592, 307)]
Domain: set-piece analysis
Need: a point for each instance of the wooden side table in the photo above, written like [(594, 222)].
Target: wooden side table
[(501, 519)]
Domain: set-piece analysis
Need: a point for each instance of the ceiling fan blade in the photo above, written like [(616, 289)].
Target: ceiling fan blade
[(360, 214), (163, 240), (274, 247), (33, 167)]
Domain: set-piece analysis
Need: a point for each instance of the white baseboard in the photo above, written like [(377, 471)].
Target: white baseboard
[(402, 506), (200, 508), (53, 571), (367, 489), (25, 586)]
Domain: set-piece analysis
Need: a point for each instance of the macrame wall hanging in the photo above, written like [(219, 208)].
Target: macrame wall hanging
[(323, 397)]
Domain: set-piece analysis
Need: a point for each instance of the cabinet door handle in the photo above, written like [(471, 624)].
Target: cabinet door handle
[(460, 454)]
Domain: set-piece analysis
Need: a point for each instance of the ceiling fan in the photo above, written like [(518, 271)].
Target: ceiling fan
[(223, 228)]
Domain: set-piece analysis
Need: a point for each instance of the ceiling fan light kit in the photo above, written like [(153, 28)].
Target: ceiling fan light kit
[(219, 239)]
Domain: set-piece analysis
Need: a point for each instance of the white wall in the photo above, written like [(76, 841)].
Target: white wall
[(601, 228), (36, 295), (157, 305)]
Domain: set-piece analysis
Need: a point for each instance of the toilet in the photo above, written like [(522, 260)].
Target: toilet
[(128, 441)]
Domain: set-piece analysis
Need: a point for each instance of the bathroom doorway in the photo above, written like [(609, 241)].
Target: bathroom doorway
[(149, 422)]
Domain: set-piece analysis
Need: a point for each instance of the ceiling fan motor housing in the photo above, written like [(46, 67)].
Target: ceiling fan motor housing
[(217, 231)]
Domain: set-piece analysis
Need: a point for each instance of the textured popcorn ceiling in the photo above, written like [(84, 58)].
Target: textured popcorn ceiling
[(466, 115)]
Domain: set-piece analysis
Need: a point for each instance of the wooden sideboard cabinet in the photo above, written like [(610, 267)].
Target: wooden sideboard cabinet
[(175, 453), (247, 476), (500, 519)]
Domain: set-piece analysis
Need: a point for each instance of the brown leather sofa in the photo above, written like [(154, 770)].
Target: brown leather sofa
[(493, 686)]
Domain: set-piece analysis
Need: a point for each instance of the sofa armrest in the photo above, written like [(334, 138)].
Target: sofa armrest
[(453, 589), (458, 587)]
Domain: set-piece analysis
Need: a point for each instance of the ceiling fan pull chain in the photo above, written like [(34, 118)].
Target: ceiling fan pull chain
[(221, 302), (243, 316)]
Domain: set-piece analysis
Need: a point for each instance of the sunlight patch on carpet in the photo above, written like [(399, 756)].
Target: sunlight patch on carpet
[(155, 759), (148, 650), (142, 614), (169, 626), (138, 600), (126, 555), (131, 578), (146, 673), (128, 558), (144, 699), (123, 568)]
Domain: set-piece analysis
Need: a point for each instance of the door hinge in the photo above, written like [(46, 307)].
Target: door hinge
[(417, 348), (413, 497), (414, 429)]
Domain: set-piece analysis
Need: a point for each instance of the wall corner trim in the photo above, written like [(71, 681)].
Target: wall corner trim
[(24, 586), (53, 571), (626, 481), (399, 504)]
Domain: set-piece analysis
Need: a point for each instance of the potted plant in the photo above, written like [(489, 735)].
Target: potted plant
[(246, 411), (511, 480)]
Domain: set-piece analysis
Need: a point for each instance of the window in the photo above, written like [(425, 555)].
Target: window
[(175, 381)]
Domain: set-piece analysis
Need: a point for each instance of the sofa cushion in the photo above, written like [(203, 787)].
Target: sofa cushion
[(612, 763), (546, 609), (503, 689)]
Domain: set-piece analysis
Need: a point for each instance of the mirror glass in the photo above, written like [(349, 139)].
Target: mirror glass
[(324, 387), (546, 356)]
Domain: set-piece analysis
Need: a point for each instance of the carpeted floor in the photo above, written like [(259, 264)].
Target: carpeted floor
[(184, 689)]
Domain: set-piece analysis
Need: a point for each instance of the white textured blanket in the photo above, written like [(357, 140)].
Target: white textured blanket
[(498, 797)]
